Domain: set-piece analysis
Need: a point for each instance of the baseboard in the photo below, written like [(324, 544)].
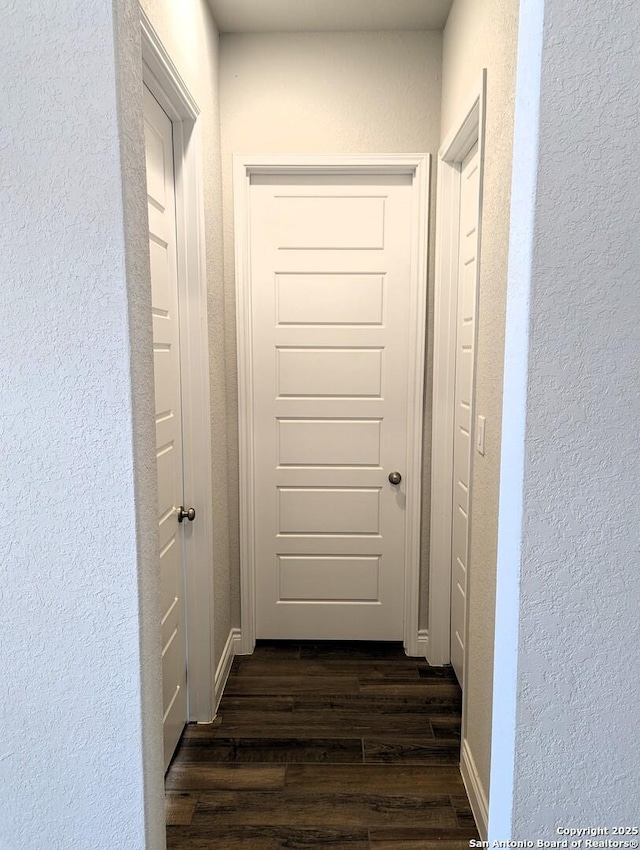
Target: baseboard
[(224, 665), (423, 642), (475, 791)]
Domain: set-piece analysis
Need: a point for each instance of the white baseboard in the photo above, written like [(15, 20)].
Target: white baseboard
[(475, 791), (423, 642), (224, 665), (416, 647)]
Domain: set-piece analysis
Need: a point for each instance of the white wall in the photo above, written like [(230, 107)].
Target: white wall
[(484, 35), (572, 685), (190, 35), (324, 93), (80, 708)]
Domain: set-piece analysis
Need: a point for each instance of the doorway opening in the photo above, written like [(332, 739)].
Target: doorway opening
[(331, 300), (456, 438), (459, 204)]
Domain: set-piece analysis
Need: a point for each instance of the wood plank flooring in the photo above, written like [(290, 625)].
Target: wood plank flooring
[(326, 745)]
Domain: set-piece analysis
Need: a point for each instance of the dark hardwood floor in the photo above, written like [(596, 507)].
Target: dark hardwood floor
[(327, 745)]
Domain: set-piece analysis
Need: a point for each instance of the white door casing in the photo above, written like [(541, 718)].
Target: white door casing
[(333, 397), (464, 397), (166, 354)]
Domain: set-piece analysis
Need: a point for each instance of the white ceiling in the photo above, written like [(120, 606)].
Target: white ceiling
[(329, 15)]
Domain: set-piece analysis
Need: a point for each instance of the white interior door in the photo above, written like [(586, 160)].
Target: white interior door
[(166, 352), (330, 259), (465, 354)]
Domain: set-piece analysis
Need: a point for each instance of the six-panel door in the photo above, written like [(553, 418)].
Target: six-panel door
[(166, 353), (330, 260), (465, 345)]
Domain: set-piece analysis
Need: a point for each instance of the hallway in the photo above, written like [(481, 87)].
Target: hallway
[(324, 745)]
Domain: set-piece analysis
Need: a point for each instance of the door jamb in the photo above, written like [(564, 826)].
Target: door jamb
[(418, 167), (162, 78), (469, 129)]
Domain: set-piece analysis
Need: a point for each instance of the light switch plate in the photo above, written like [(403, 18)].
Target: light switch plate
[(482, 422)]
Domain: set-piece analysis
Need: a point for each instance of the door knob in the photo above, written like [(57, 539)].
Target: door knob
[(189, 514), (395, 477)]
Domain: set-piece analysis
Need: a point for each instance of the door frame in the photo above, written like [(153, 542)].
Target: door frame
[(162, 78), (467, 131), (417, 166)]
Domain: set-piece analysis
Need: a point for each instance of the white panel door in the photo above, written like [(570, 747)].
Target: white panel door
[(330, 291), (465, 346), (166, 352)]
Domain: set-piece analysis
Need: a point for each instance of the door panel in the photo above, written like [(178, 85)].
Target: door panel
[(330, 372), (465, 352), (328, 223), (317, 299), (166, 352), (330, 292), (331, 510), (329, 442), (329, 577)]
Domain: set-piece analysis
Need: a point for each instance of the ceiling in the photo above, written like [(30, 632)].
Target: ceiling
[(329, 15)]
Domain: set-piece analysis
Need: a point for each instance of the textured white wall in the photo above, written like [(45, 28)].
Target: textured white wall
[(80, 708), (484, 35), (577, 739), (189, 33), (324, 93)]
